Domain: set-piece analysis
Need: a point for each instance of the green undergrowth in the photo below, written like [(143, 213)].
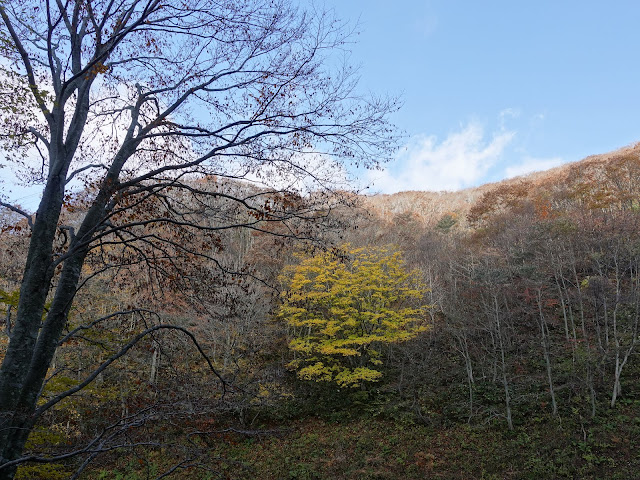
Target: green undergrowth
[(366, 447), (378, 449)]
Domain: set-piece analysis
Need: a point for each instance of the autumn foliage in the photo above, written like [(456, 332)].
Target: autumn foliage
[(344, 306)]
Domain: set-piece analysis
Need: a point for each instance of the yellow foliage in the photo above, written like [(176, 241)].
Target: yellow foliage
[(342, 308)]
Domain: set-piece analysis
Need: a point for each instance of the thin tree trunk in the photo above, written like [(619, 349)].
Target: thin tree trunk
[(503, 364), (544, 340), (155, 361)]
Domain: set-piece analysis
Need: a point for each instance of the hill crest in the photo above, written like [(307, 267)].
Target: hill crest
[(429, 207)]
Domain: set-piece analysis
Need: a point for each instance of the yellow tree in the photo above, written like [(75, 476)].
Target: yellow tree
[(345, 307)]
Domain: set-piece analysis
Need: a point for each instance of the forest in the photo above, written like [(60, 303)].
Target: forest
[(202, 295), (512, 321)]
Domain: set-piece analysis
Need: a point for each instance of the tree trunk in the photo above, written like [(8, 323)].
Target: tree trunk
[(18, 378), (35, 340), (544, 340)]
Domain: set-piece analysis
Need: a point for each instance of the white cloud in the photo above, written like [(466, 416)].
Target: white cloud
[(531, 164), (509, 112), (460, 161)]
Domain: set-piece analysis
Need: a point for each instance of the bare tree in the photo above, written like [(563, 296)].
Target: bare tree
[(139, 98)]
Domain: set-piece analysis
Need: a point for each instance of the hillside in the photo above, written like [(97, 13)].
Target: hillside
[(430, 207), (516, 357)]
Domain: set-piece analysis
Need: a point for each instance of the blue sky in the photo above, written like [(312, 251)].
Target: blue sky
[(492, 89), (497, 88)]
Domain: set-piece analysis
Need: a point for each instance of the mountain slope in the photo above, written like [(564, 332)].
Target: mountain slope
[(431, 207)]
